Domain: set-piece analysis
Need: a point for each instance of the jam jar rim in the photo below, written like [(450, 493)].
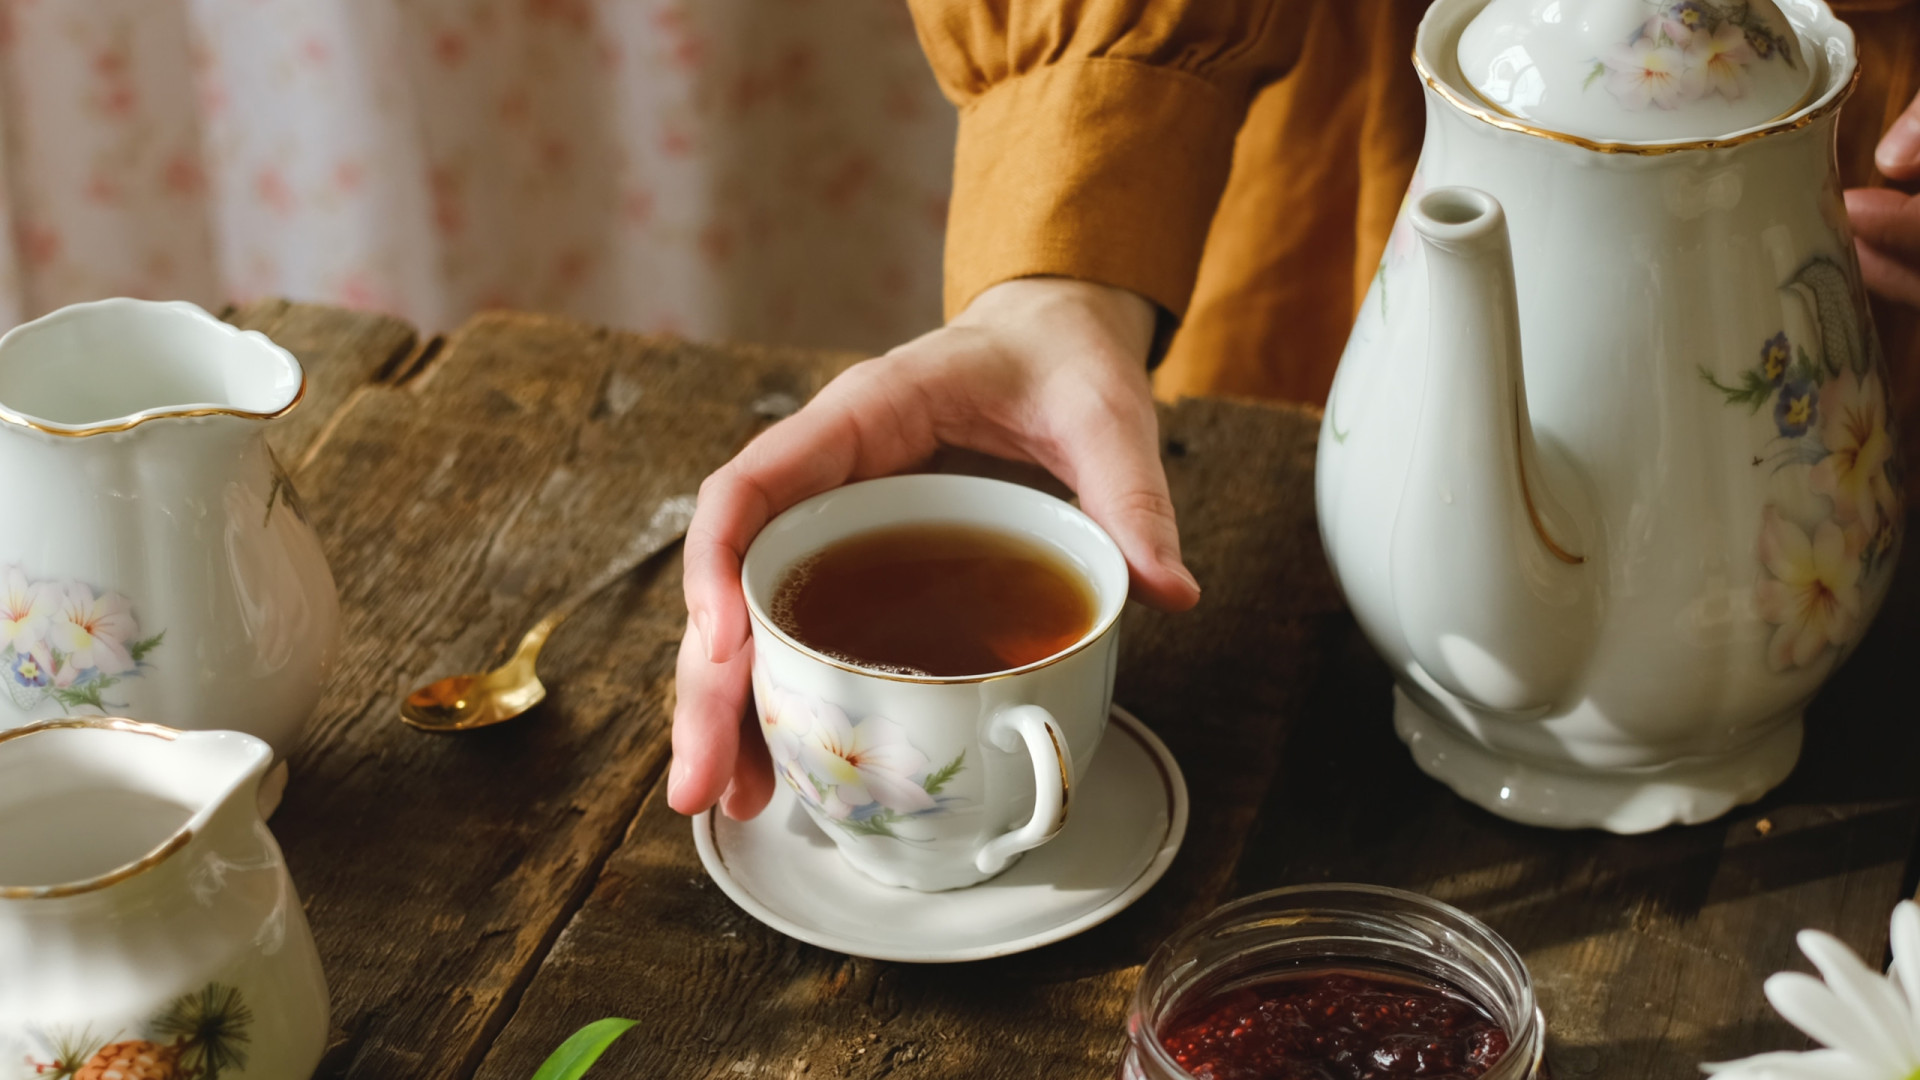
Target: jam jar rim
[(1528, 1042)]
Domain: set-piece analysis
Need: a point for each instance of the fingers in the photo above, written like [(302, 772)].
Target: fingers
[(852, 429), (1113, 453), (1887, 224), (1056, 376), (752, 786), (1890, 277), (735, 503), (1889, 220), (1898, 154), (708, 714)]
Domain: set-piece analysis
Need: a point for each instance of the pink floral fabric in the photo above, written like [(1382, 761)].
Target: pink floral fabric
[(770, 170)]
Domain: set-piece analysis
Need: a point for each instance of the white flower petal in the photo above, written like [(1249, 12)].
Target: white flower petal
[(1811, 1006), (831, 728), (854, 794), (1787, 1065), (1906, 952), (898, 758), (896, 792), (1881, 1009)]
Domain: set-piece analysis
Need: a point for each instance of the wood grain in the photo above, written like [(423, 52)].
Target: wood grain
[(344, 354), (477, 898), (1649, 951), (725, 997), (455, 508)]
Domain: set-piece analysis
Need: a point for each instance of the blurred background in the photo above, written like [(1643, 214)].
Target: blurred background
[(755, 170)]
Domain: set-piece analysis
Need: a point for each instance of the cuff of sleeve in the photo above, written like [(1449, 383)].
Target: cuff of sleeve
[(1102, 170)]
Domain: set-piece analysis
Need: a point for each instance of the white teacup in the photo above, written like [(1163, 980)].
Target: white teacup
[(934, 782)]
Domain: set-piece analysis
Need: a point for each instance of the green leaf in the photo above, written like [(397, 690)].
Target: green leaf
[(1754, 389), (71, 1052), (1599, 69), (944, 775), (139, 649), (880, 824), (1803, 367), (86, 695), (582, 1049)]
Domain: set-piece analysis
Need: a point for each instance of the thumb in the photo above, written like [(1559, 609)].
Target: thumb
[(1115, 465)]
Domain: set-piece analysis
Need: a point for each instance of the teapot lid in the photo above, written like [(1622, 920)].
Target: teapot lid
[(1637, 70)]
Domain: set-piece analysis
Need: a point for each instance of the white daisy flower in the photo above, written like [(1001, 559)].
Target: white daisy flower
[(1869, 1025)]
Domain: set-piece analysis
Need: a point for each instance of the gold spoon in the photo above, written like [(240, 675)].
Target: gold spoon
[(465, 702)]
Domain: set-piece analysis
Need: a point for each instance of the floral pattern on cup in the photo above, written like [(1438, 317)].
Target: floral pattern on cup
[(65, 641), (1822, 556), (1689, 50), (866, 777), (200, 1035)]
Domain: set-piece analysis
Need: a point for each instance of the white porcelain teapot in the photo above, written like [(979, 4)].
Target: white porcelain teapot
[(154, 559), (1608, 579), (147, 924)]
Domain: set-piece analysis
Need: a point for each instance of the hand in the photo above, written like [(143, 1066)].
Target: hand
[(1046, 370), (1886, 223)]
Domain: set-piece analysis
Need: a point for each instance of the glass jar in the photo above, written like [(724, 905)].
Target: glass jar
[(1310, 929)]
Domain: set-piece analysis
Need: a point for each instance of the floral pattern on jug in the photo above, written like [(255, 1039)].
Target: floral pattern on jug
[(1689, 50), (66, 641), (1822, 554), (202, 1035), (866, 777)]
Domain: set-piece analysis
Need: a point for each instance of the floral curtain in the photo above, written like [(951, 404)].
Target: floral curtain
[(770, 170)]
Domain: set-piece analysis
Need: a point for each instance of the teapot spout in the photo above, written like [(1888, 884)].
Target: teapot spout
[(1492, 584)]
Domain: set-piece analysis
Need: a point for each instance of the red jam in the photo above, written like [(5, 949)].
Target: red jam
[(1340, 1025)]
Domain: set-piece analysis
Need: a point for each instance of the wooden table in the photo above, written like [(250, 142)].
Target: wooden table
[(477, 898)]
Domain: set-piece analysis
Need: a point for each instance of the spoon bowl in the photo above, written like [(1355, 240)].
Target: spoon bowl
[(461, 702), (482, 699)]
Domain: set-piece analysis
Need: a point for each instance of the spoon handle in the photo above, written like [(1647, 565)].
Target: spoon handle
[(669, 524)]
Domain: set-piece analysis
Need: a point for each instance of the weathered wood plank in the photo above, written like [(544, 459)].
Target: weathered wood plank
[(459, 497), (455, 508), (1649, 951), (721, 996), (343, 353)]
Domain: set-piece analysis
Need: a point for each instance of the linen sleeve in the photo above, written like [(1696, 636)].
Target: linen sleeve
[(1096, 135)]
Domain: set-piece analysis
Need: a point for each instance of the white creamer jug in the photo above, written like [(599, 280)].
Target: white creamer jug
[(148, 927), (154, 560)]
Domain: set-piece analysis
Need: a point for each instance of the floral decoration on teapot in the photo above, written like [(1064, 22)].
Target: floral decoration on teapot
[(1687, 51), (1834, 524)]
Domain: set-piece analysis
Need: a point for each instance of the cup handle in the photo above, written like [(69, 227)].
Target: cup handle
[(1052, 782)]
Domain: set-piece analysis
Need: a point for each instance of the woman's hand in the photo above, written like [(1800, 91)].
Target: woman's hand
[(1886, 223), (1046, 370)]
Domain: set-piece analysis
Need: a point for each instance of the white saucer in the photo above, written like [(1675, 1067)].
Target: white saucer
[(1129, 816)]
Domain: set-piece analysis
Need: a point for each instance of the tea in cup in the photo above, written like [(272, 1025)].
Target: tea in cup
[(933, 665)]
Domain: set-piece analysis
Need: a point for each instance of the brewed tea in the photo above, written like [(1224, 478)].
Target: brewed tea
[(935, 599)]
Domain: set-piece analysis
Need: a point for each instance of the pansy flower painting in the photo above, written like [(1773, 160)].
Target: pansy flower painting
[(1826, 552), (66, 642), (865, 777), (1689, 50)]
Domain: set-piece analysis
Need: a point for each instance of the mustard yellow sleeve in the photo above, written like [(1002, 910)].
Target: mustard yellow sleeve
[(1095, 135)]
